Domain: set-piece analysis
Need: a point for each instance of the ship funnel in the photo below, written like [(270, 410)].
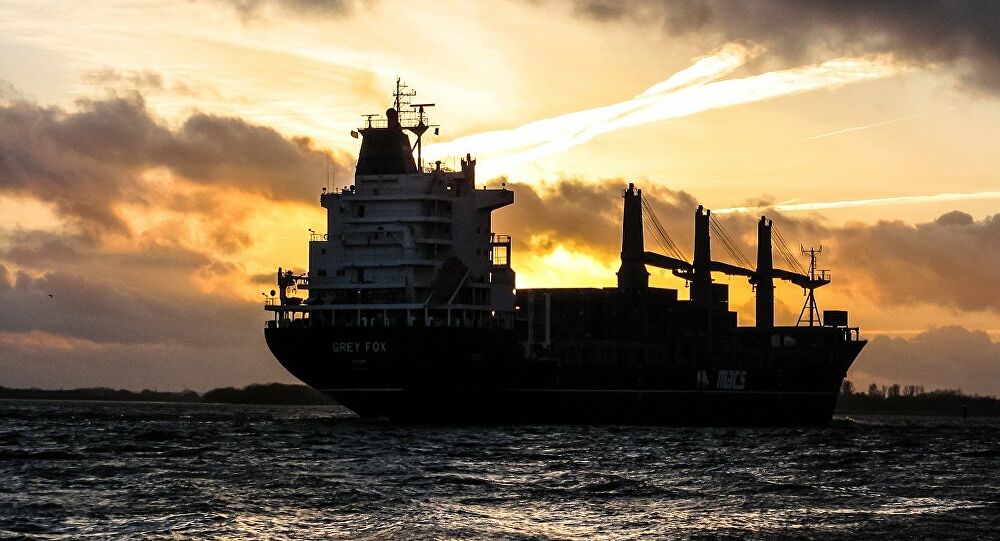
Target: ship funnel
[(632, 274), (764, 277), (385, 150)]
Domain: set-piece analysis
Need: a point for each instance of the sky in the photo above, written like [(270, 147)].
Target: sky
[(159, 160)]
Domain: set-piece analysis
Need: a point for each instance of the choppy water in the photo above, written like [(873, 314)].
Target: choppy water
[(78, 470)]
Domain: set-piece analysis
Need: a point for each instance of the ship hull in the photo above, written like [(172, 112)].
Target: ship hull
[(482, 376)]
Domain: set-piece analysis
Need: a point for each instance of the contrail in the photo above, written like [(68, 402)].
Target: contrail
[(877, 202), (859, 128), (691, 91), (708, 68)]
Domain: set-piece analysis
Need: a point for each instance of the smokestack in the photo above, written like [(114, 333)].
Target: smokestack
[(764, 276), (701, 283), (632, 274)]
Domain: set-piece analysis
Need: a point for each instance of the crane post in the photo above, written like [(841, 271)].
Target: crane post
[(701, 282), (764, 276), (632, 274)]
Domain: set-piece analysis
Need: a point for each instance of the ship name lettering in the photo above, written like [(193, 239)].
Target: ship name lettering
[(375, 347), (732, 379), (346, 347)]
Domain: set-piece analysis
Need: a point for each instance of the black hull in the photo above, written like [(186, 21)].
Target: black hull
[(591, 406), (481, 376)]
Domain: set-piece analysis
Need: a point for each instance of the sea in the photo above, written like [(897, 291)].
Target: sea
[(116, 470)]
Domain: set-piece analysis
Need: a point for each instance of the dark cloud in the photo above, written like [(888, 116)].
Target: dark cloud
[(137, 79), (101, 307), (155, 308), (89, 161), (146, 82), (79, 313), (5, 283), (951, 261), (582, 215), (955, 217), (251, 9), (961, 33), (9, 92), (948, 357), (82, 163), (263, 279), (231, 151), (947, 262)]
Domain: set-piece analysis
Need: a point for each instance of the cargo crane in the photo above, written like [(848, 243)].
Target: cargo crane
[(634, 258)]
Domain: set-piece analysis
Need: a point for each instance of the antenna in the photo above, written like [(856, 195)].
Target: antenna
[(402, 94), (810, 312), (420, 128)]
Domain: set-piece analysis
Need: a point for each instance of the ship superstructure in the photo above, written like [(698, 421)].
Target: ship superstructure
[(407, 245), (411, 312)]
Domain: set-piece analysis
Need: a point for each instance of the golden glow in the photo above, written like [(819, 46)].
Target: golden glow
[(560, 267), (43, 340), (876, 202), (684, 94), (729, 142)]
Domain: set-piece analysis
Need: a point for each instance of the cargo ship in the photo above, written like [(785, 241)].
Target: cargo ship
[(409, 311)]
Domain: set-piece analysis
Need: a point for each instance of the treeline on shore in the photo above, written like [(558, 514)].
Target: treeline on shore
[(891, 399), (913, 400), (272, 393)]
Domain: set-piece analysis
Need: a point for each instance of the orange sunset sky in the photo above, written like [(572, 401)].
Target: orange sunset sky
[(159, 160)]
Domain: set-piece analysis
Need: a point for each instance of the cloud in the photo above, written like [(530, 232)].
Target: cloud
[(947, 262), (688, 92), (146, 277), (90, 161), (147, 82), (8, 92), (137, 297), (851, 203), (947, 357), (137, 79), (251, 9), (580, 215), (962, 34)]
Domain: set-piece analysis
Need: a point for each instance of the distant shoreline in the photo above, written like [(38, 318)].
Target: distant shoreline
[(270, 394), (939, 403)]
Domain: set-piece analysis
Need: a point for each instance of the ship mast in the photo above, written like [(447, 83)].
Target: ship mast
[(414, 118), (810, 312)]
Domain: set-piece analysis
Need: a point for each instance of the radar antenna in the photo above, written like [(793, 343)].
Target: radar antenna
[(419, 129), (412, 116)]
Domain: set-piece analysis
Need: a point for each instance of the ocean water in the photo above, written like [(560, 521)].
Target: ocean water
[(99, 470)]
